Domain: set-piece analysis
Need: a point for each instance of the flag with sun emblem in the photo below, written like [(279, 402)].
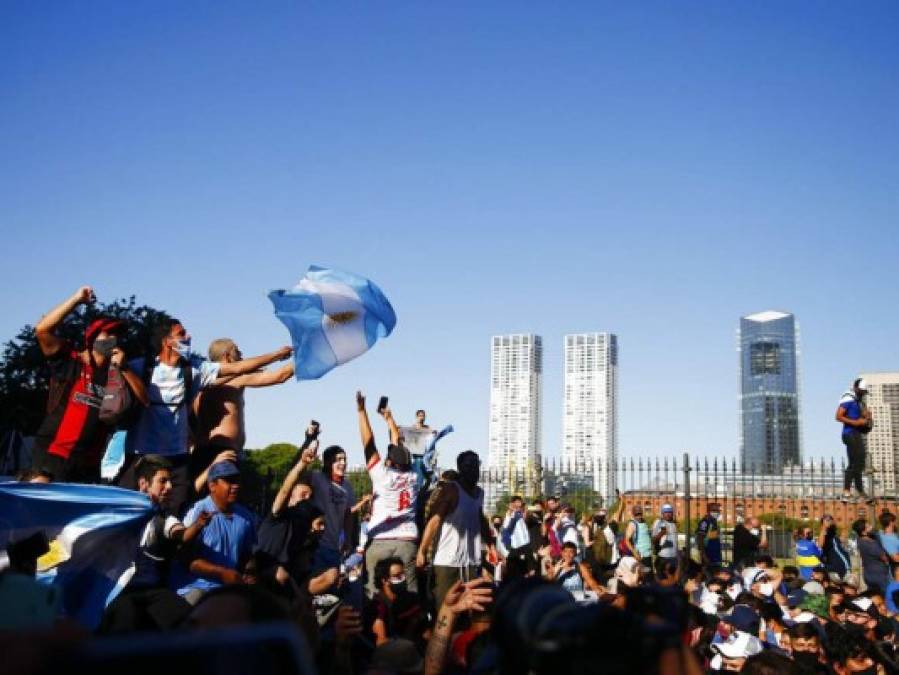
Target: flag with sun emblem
[(333, 317)]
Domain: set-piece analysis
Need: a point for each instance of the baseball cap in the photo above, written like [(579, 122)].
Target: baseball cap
[(743, 618), (97, 326), (795, 598), (667, 508), (739, 646), (222, 470), (863, 385)]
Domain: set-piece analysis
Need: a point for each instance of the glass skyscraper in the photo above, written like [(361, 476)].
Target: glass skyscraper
[(768, 343)]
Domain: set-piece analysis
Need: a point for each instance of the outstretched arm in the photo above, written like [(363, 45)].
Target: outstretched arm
[(254, 363), (45, 329), (365, 432), (265, 378)]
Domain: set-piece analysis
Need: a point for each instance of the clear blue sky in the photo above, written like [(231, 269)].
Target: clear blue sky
[(655, 171)]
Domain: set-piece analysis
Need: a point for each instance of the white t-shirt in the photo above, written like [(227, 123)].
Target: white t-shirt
[(393, 506), (162, 427), (668, 542)]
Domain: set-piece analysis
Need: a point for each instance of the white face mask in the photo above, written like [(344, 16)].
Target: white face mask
[(766, 589), (715, 514), (182, 348), (755, 531)]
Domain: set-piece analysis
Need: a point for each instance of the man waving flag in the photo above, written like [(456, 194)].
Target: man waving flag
[(333, 317)]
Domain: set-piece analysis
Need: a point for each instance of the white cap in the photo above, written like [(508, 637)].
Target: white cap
[(740, 646), (862, 384)]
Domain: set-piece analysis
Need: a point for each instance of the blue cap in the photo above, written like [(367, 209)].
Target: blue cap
[(667, 508), (222, 470), (795, 598), (743, 618)]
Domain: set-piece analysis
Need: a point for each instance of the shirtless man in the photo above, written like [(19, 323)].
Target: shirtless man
[(219, 434)]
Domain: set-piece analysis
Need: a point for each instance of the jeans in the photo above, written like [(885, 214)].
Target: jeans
[(855, 449)]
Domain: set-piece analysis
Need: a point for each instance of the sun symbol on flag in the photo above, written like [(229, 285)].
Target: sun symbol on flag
[(341, 318)]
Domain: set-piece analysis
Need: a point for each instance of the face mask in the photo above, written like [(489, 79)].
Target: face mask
[(600, 520), (182, 348), (397, 583), (104, 346), (766, 589), (716, 515), (754, 531)]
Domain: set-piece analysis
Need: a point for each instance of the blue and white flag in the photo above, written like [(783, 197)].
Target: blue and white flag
[(333, 317), (93, 533)]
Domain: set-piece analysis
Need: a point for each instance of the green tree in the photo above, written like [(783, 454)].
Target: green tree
[(24, 376)]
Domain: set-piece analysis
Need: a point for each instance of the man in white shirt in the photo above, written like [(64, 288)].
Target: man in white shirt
[(392, 530), (173, 379)]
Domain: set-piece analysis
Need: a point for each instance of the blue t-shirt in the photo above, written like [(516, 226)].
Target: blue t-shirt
[(853, 411), (227, 540), (808, 557), (890, 542), (892, 587)]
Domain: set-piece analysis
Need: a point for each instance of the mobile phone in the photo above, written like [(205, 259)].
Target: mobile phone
[(382, 403)]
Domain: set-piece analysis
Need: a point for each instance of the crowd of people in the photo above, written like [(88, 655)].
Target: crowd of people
[(420, 575)]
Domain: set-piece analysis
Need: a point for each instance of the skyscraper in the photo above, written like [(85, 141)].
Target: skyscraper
[(768, 344), (590, 411), (883, 441), (516, 376)]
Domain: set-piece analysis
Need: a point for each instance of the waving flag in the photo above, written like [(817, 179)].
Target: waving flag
[(92, 533), (333, 317)]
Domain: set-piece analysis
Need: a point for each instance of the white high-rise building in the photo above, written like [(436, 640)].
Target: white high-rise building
[(516, 377), (590, 413), (883, 441)]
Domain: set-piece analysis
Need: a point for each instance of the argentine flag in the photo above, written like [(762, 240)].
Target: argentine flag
[(92, 532), (333, 317)]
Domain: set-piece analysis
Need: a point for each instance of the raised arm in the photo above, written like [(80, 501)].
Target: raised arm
[(307, 456), (391, 424), (45, 329), (254, 363), (365, 432)]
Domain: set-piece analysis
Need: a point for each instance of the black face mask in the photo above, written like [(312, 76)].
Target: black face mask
[(104, 346), (599, 520)]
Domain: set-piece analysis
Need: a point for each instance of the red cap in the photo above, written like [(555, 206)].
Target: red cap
[(97, 326)]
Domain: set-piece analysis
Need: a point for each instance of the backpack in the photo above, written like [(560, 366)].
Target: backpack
[(117, 399), (602, 549)]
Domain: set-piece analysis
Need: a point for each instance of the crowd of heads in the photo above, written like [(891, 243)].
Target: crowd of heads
[(421, 575)]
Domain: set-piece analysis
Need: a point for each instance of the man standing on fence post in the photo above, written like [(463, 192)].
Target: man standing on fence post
[(855, 417)]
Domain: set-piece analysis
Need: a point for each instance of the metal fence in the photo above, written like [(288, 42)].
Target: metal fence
[(784, 498)]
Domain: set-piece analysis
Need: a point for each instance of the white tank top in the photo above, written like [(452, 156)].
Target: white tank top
[(460, 533)]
